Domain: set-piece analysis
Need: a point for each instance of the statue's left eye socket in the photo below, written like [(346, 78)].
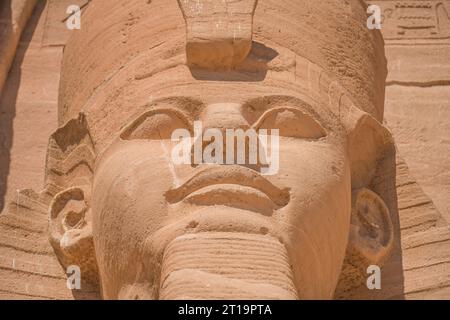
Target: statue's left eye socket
[(156, 125), (292, 123)]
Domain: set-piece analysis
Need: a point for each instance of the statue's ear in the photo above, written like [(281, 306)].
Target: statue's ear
[(69, 172), (70, 229), (371, 231), (369, 143), (371, 150)]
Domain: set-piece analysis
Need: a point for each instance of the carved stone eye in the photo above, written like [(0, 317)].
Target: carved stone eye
[(155, 125), (292, 123)]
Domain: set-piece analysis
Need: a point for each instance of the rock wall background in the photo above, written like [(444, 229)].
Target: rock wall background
[(28, 104), (417, 35)]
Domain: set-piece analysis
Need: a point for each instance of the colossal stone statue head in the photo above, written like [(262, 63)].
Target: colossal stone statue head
[(142, 226)]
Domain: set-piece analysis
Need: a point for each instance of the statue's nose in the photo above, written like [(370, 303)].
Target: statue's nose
[(238, 147), (223, 116)]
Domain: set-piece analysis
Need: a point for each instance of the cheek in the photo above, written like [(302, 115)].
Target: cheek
[(309, 167), (316, 221), (318, 175), (128, 205)]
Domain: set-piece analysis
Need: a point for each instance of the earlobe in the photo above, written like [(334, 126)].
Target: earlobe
[(71, 232), (371, 233)]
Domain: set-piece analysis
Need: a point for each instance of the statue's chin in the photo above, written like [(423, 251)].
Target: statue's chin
[(220, 253), (226, 265)]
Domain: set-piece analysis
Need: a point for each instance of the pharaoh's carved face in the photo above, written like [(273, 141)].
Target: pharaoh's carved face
[(165, 230), (158, 224)]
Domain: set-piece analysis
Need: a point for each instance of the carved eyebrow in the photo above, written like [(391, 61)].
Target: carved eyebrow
[(267, 102), (263, 104), (128, 131), (314, 128), (188, 105)]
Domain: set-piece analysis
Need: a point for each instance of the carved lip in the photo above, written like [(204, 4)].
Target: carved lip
[(232, 195), (221, 176)]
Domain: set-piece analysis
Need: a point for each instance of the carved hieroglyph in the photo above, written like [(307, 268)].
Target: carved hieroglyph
[(140, 226), (415, 19)]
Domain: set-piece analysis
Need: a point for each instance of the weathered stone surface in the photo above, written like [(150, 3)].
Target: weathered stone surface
[(14, 15), (417, 35), (56, 32), (341, 201), (28, 110)]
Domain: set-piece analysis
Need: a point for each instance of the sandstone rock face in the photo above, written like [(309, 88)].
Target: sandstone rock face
[(13, 18), (417, 35), (28, 115), (140, 224)]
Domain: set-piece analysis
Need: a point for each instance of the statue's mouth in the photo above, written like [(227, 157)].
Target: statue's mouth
[(228, 185), (233, 195)]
